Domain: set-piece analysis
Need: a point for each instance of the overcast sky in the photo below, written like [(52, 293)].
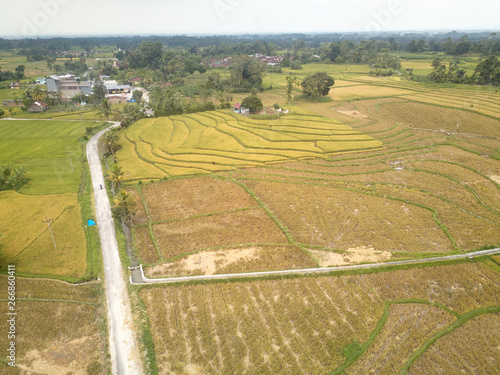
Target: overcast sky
[(33, 18)]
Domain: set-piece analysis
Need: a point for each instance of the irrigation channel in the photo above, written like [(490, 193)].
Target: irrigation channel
[(137, 277)]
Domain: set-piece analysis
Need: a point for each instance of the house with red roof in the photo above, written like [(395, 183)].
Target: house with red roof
[(238, 108)]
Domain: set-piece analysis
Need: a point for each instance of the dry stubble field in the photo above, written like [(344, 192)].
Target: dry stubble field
[(432, 189), (59, 328)]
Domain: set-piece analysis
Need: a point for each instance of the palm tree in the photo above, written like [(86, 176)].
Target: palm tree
[(111, 139), (37, 93), (115, 175), (105, 109), (124, 205)]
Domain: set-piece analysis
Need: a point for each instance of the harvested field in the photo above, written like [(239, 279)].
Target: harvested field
[(226, 229), (263, 327), (461, 287), (71, 342), (408, 326), (320, 325), (471, 348), (180, 199), (341, 219), (440, 119)]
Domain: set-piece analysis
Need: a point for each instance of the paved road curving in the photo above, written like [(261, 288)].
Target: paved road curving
[(139, 278), (125, 356)]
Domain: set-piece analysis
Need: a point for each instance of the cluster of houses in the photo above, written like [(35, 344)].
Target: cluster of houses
[(221, 63), (268, 60), (226, 62)]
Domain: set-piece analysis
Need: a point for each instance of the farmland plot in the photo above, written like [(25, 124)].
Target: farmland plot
[(58, 328), (215, 141), (320, 325)]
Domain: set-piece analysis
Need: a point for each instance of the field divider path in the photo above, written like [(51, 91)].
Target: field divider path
[(125, 355), (306, 271)]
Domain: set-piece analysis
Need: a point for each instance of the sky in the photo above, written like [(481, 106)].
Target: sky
[(42, 18)]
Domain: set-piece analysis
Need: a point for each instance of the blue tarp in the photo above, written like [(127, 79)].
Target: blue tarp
[(91, 222)]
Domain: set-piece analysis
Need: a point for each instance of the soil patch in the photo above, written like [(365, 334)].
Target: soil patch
[(356, 114), (60, 358), (354, 255), (205, 263)]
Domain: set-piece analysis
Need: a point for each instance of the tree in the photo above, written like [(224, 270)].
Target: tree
[(246, 72), (105, 109), (436, 63), (317, 85), (291, 81), (150, 53), (253, 103), (111, 140), (20, 71), (124, 206), (37, 93), (115, 175), (137, 95), (12, 178), (50, 62), (488, 71), (99, 91), (2, 112)]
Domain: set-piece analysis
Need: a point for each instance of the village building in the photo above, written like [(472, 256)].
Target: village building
[(112, 87), (238, 108), (135, 81), (41, 81), (37, 107), (68, 85)]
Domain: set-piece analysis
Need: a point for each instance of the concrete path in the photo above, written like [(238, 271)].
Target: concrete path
[(139, 278), (125, 355)]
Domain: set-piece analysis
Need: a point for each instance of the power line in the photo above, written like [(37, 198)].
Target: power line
[(48, 221)]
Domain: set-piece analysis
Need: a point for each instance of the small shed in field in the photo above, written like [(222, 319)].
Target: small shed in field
[(38, 107)]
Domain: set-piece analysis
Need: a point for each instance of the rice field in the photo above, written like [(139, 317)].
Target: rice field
[(431, 190), (327, 325), (47, 148), (207, 225), (52, 151), (26, 239), (222, 141), (59, 328)]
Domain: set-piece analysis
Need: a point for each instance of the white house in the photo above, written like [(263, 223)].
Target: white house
[(238, 108)]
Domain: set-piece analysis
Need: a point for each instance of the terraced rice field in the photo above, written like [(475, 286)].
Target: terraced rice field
[(214, 141)]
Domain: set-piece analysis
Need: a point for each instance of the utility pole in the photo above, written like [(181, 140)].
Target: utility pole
[(48, 221), (71, 161)]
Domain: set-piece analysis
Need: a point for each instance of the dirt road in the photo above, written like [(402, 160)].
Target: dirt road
[(125, 356)]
